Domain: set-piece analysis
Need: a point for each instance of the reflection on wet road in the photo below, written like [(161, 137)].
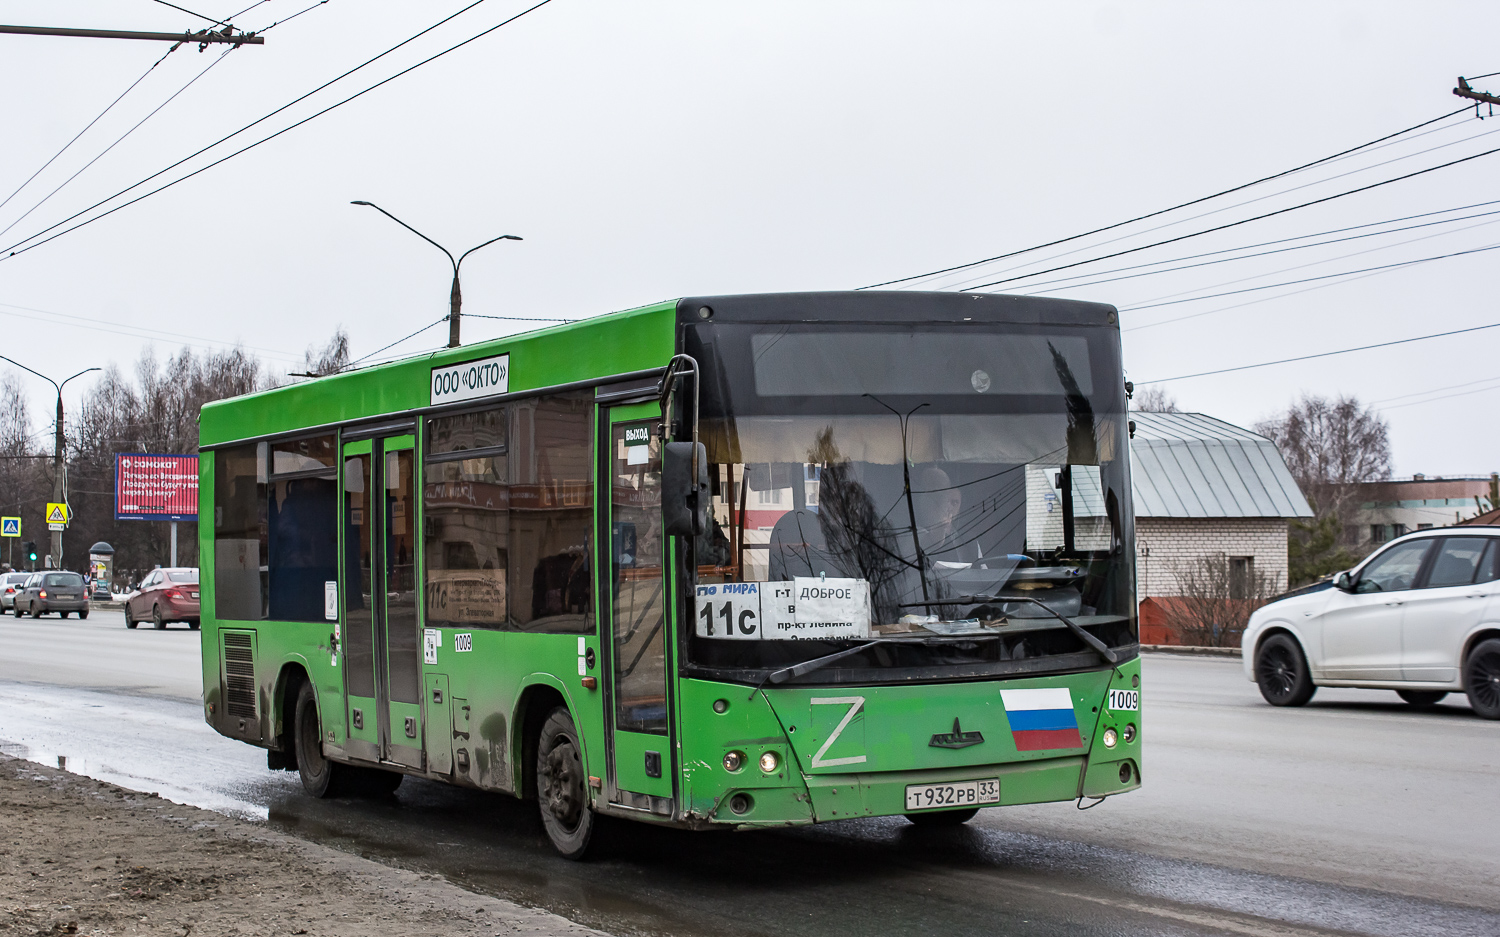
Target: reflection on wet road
[(852, 878), (1355, 814)]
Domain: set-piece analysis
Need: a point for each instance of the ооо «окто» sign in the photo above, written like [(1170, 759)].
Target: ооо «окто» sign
[(471, 380)]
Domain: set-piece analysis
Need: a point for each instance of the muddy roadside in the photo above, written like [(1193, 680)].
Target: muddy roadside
[(79, 856)]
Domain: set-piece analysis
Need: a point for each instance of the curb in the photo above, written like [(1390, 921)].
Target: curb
[(1185, 650)]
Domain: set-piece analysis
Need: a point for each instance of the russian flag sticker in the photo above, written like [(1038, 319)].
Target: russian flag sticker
[(1041, 719)]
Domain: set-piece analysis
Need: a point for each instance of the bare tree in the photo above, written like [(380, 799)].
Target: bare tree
[(1216, 595), (1155, 400), (332, 358), (1331, 446), (25, 483)]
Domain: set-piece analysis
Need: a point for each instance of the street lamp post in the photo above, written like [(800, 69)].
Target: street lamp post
[(455, 299), (59, 484)]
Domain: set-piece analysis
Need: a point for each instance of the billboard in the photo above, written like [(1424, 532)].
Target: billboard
[(156, 487)]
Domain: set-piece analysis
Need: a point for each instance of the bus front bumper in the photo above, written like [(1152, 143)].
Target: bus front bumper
[(844, 796)]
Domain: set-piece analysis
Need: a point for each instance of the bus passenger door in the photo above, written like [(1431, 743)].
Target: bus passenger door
[(641, 753), (381, 643)]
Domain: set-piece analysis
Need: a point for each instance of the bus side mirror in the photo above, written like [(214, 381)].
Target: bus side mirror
[(684, 498)]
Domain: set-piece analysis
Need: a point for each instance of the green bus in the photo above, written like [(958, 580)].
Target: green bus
[(727, 562)]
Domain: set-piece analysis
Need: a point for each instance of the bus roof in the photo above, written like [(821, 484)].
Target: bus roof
[(616, 343)]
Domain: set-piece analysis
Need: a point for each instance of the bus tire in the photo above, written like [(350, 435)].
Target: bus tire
[(943, 817), (562, 786), (320, 777), (1281, 672)]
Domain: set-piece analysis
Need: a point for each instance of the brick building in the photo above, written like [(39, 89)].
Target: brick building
[(1203, 487)]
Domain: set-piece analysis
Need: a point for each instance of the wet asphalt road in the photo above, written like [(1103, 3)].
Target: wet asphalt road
[(1353, 815)]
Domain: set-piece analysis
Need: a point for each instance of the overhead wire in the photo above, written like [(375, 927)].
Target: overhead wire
[(86, 128), (394, 344), (191, 13), (11, 250), (1242, 221), (1465, 393), (1228, 250), (1325, 354), (1161, 300), (119, 140), (1163, 211), (114, 327), (1225, 208), (1327, 276)]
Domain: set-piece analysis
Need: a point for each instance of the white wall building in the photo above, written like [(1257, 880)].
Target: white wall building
[(1203, 487)]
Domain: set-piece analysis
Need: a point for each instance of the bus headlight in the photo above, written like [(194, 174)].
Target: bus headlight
[(769, 762), (734, 761), (1129, 732), (1111, 738)]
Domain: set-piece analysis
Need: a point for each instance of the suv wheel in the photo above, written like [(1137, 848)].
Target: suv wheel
[(1422, 698), (1482, 678), (1281, 672)]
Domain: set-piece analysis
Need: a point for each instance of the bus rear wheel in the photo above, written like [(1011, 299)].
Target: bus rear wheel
[(561, 786), (320, 777), (943, 817)]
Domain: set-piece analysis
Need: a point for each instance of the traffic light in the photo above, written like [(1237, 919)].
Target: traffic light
[(29, 548)]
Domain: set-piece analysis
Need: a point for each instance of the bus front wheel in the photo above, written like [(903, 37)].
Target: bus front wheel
[(561, 786), (320, 777)]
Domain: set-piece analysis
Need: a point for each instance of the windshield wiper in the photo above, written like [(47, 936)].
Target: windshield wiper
[(817, 663), (1102, 649)]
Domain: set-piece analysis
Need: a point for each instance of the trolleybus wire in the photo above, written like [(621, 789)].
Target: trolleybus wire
[(1163, 211), (1235, 224), (1352, 237), (118, 141), (191, 13), (16, 248), (1217, 211), (1326, 276), (86, 128), (1325, 354), (1462, 393)]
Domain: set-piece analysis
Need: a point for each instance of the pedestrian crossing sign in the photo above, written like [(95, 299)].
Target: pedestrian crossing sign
[(56, 513), (10, 527)]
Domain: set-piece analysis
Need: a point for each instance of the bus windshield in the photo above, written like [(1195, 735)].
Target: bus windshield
[(948, 496)]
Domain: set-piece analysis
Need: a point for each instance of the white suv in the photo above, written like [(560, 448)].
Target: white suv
[(1421, 617)]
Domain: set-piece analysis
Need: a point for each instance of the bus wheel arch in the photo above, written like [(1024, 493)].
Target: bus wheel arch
[(536, 703), (284, 716)]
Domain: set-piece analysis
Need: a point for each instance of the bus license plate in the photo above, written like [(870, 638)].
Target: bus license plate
[(957, 794)]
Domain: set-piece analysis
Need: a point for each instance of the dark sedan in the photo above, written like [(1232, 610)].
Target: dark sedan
[(165, 595), (58, 591)]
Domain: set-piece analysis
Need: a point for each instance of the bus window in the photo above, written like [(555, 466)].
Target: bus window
[(467, 499), (276, 529), (509, 509)]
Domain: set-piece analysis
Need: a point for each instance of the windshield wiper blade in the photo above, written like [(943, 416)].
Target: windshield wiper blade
[(808, 666), (1102, 649)]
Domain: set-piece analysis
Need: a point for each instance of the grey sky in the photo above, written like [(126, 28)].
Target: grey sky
[(650, 150)]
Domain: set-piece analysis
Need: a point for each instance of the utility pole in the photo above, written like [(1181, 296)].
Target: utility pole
[(59, 477), (455, 298), (204, 37), (1465, 91)]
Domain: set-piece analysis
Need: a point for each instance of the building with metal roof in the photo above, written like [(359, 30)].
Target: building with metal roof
[(1206, 488)]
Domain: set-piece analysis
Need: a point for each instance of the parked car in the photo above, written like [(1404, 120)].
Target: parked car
[(10, 584), (53, 591), (165, 595), (99, 590), (1421, 617)]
